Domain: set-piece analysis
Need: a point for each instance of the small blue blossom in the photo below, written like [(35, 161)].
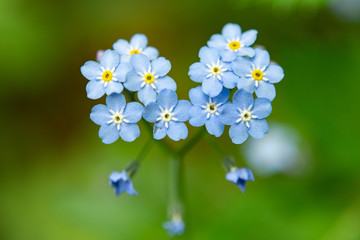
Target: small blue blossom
[(257, 74), (239, 176), (246, 116), (168, 114), (232, 43), (117, 119), (121, 183), (207, 110), (106, 76), (149, 78), (174, 227), (138, 44), (212, 72)]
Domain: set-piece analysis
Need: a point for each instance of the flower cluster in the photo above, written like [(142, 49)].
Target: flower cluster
[(229, 62)]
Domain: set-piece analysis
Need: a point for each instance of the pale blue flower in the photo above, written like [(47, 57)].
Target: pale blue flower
[(174, 227), (232, 43), (106, 76), (149, 78), (212, 72), (246, 116), (257, 74), (121, 183), (239, 176), (168, 114), (117, 119), (138, 44), (207, 110)]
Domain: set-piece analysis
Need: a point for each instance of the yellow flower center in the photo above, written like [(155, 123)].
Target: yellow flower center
[(134, 51), (216, 69), (234, 45), (257, 75), (149, 78), (107, 76)]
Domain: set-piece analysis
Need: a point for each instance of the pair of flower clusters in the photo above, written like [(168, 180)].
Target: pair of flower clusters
[(226, 63)]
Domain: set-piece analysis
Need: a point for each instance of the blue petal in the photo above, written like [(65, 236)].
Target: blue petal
[(139, 41), (247, 84), (262, 108), (246, 51), (177, 131), (110, 59), (159, 130), (181, 111), (197, 116), (125, 58), (208, 55), (116, 176), (212, 86), (241, 184), (140, 63), (130, 188), (116, 102), (258, 128), (151, 53), (217, 41), (232, 177), (129, 131), (113, 87), (122, 47), (229, 79), (165, 83), (245, 174), (119, 187), (227, 55), (147, 94), (243, 99), (214, 126), (133, 112), (91, 70), (133, 81), (222, 97), (238, 133), (160, 66), (95, 89), (100, 114), (108, 133), (242, 66), (167, 99), (121, 71), (265, 90), (249, 37), (261, 58), (274, 73), (198, 97), (198, 72), (152, 112), (231, 31), (229, 114)]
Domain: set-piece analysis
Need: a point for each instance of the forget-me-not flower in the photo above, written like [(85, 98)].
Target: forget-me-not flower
[(232, 43), (138, 44), (149, 78), (212, 72), (168, 114), (117, 119), (207, 110), (239, 176), (121, 183), (257, 74), (106, 76), (246, 116), (174, 227)]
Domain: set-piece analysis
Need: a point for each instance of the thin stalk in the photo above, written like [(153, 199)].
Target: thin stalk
[(175, 204), (191, 143), (215, 145)]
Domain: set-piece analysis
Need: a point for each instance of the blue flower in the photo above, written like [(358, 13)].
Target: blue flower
[(207, 110), (246, 116), (121, 182), (106, 76), (138, 44), (117, 119), (257, 74), (168, 114), (239, 176), (212, 72), (174, 227), (149, 78), (232, 43)]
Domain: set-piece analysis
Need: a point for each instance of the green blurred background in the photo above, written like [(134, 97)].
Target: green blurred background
[(54, 169)]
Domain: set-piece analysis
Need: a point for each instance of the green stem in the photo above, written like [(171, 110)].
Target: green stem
[(145, 150), (175, 204), (215, 145), (191, 143)]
